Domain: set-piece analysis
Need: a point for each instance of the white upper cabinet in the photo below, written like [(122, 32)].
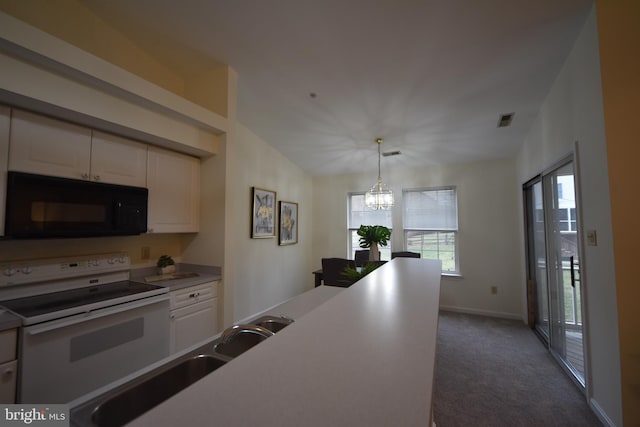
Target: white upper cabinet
[(118, 160), (46, 146), (173, 180), (4, 155)]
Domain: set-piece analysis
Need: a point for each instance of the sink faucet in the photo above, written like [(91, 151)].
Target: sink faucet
[(234, 330)]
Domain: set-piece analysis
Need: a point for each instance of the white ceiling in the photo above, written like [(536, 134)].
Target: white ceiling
[(431, 77)]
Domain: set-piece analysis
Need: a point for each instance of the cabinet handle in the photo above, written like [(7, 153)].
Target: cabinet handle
[(85, 176), (194, 295), (96, 177)]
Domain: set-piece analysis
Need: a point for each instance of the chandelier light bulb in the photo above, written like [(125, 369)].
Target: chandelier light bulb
[(379, 196)]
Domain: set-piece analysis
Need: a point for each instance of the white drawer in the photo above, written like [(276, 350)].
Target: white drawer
[(8, 376), (8, 345), (193, 294)]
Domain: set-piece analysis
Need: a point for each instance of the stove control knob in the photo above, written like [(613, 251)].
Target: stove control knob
[(96, 262), (121, 260), (111, 260), (26, 270), (9, 271)]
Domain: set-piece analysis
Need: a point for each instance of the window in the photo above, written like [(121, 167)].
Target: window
[(359, 215), (431, 225), (566, 219)]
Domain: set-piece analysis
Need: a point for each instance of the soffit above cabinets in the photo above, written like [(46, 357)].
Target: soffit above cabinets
[(40, 73)]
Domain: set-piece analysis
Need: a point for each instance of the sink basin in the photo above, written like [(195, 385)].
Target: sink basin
[(273, 323), (240, 343), (132, 400), (240, 338)]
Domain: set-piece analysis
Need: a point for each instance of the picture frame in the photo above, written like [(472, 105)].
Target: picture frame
[(263, 213), (288, 223)]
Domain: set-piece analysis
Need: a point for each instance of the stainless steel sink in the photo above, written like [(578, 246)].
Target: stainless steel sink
[(273, 323), (237, 345), (133, 399), (240, 338)]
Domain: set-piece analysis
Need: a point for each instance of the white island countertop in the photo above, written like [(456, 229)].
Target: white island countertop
[(363, 358)]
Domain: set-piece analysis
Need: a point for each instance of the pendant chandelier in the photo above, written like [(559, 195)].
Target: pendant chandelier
[(379, 197)]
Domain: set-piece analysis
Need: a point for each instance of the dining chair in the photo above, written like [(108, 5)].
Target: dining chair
[(332, 271), (404, 254), (361, 257)]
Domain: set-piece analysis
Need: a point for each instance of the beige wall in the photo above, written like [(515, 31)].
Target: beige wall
[(572, 111), (264, 273), (70, 20), (488, 228), (619, 31), (158, 244)]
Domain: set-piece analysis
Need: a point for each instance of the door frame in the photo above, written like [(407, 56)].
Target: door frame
[(573, 156)]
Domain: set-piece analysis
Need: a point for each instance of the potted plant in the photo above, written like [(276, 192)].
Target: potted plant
[(371, 236), (166, 264), (353, 274)]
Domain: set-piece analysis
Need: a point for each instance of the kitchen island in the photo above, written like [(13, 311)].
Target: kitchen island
[(364, 357)]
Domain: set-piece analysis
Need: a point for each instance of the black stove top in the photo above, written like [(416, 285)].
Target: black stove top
[(37, 305)]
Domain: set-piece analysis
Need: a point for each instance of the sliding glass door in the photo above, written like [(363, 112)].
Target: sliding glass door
[(553, 259), (536, 258)]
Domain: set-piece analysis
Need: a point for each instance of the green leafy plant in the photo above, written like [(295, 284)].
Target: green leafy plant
[(353, 275), (369, 234), (164, 261)]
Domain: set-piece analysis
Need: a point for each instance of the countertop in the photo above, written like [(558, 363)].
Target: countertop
[(204, 273), (363, 358)]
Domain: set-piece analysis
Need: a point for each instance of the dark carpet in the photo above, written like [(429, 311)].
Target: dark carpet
[(496, 372)]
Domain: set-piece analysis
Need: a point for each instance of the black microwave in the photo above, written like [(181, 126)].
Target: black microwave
[(39, 206)]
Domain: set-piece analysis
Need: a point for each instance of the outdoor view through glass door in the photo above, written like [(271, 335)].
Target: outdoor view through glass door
[(554, 264)]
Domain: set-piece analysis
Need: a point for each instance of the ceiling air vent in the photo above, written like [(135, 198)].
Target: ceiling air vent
[(505, 120), (391, 153)]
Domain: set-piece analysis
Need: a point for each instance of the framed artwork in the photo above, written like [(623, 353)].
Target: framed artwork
[(263, 213), (288, 230)]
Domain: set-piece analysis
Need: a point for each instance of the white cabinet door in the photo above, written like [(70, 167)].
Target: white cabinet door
[(193, 294), (47, 146), (118, 160), (8, 365), (8, 376), (5, 114), (192, 324), (173, 181)]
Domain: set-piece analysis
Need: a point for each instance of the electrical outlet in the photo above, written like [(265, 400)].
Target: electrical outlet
[(494, 290), (145, 252)]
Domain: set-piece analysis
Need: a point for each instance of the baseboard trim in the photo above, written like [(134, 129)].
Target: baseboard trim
[(600, 413), (488, 313)]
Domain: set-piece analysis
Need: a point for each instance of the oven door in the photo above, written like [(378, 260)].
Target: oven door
[(67, 358)]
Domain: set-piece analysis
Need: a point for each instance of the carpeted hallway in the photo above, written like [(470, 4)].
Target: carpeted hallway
[(496, 372)]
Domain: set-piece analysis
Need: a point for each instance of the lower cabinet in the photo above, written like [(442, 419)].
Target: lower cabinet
[(5, 114), (8, 365), (194, 315)]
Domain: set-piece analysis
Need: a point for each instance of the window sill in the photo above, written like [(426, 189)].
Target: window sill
[(453, 275)]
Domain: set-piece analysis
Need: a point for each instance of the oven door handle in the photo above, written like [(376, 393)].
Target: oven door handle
[(96, 314)]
